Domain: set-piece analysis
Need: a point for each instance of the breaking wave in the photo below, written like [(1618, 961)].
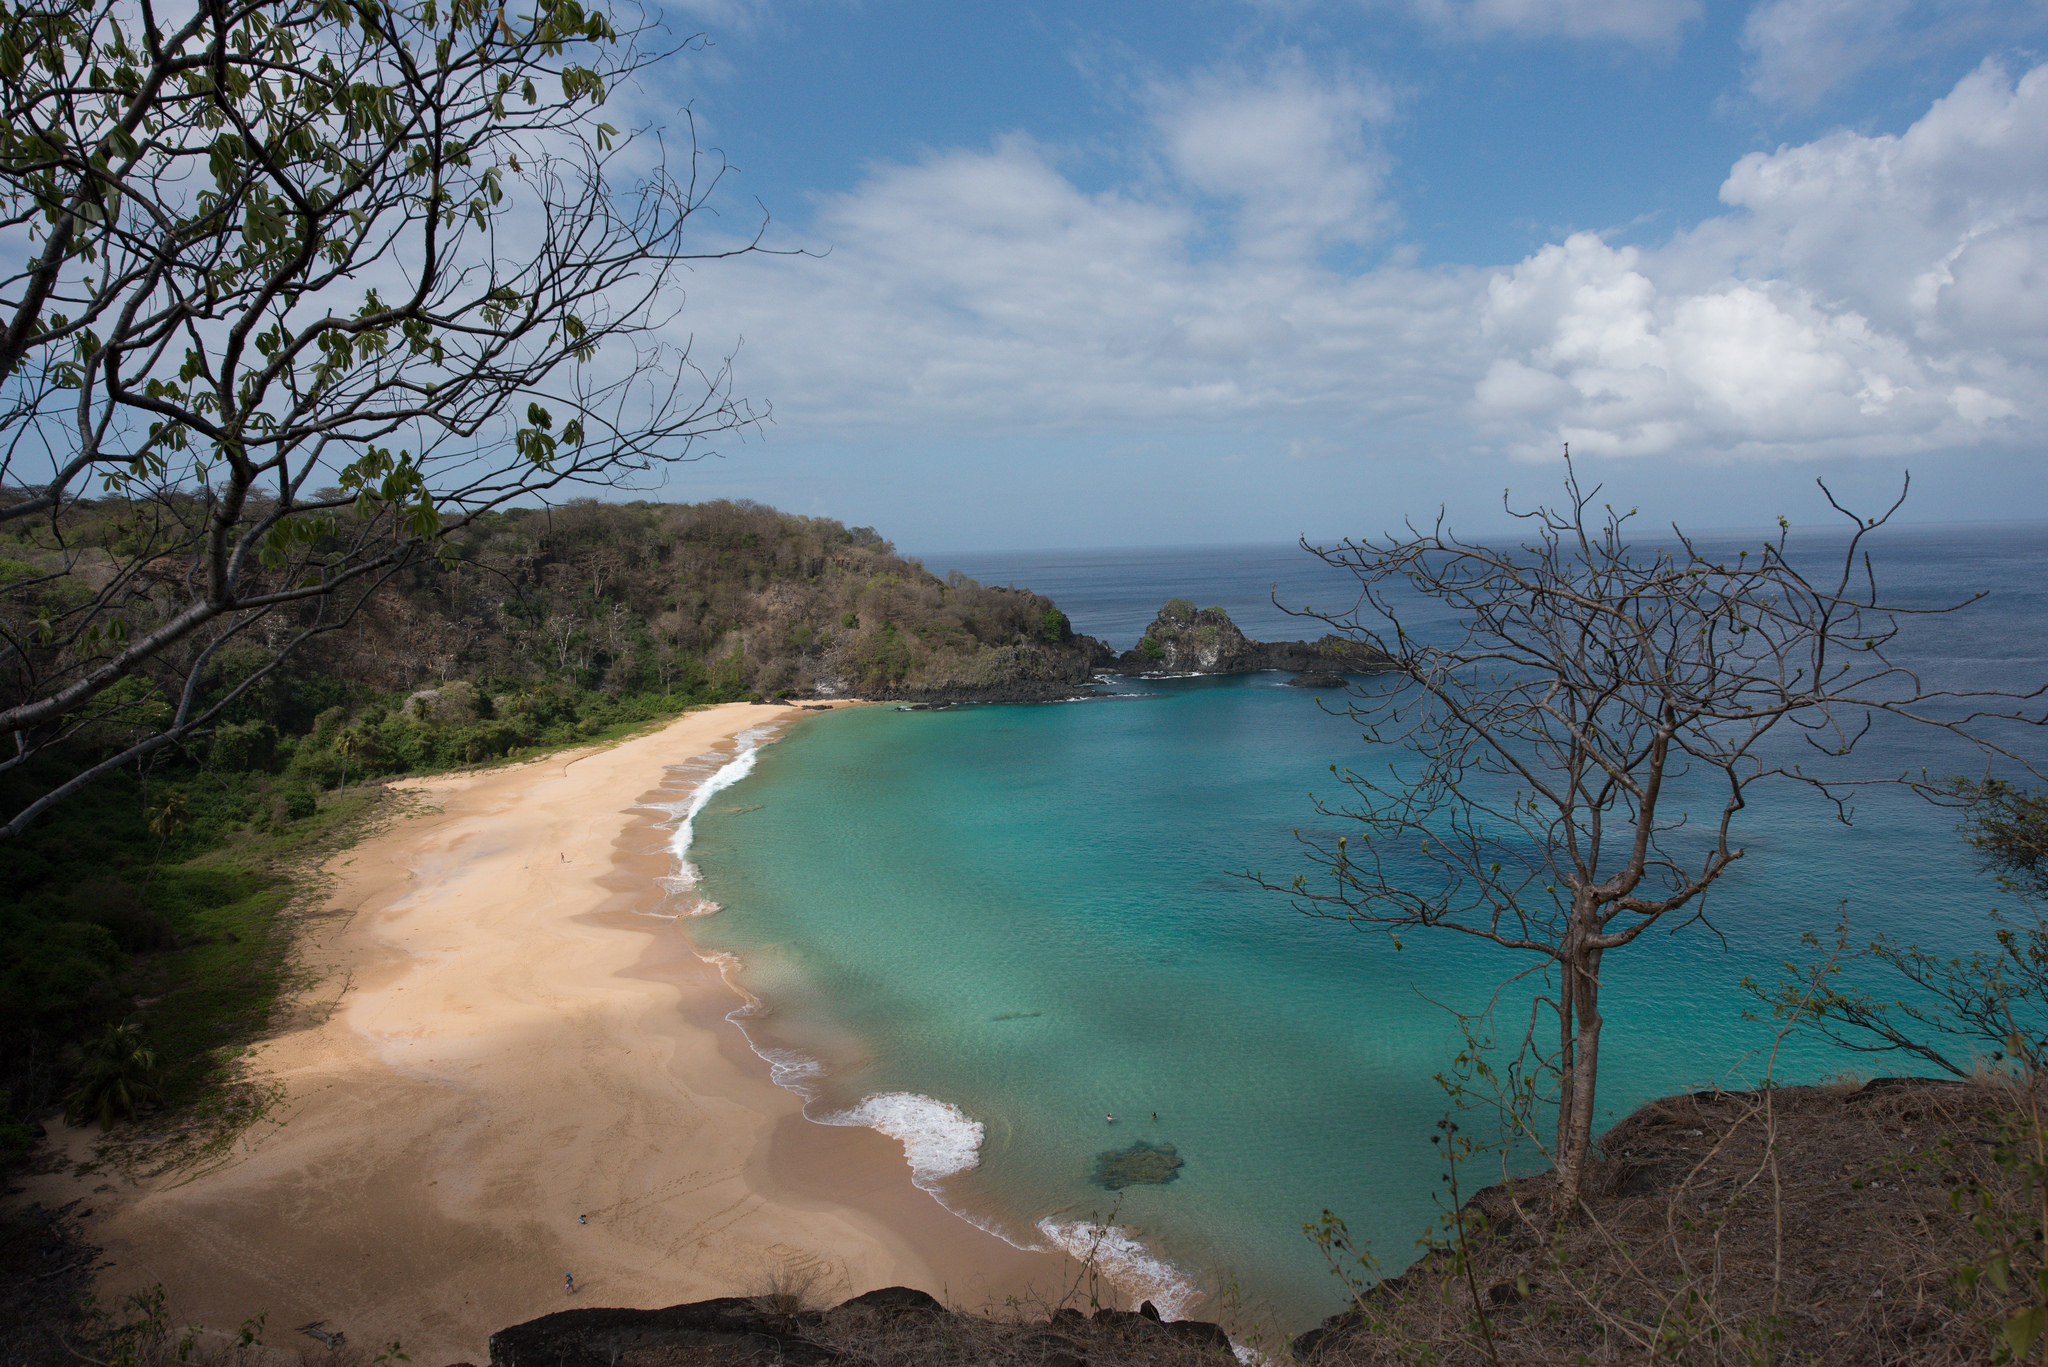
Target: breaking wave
[(939, 1139)]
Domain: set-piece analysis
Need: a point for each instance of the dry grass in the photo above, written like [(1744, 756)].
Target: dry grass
[(1796, 1225), (791, 1287)]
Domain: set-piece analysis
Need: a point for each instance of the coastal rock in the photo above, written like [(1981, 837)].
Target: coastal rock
[(1316, 679), (729, 1329), (1023, 671), (893, 1324), (1142, 1164), (1184, 639)]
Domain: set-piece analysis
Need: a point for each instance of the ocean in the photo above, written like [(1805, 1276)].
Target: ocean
[(987, 930)]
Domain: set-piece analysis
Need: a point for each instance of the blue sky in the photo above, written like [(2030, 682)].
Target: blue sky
[(1233, 271)]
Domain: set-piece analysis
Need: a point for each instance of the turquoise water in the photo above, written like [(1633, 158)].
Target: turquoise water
[(984, 930)]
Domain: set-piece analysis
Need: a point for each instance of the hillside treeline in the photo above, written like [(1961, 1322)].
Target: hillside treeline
[(728, 596)]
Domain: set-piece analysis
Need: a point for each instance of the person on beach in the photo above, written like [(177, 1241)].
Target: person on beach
[(585, 1219), (569, 1283)]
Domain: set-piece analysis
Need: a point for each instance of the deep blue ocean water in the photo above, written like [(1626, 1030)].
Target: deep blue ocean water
[(985, 930)]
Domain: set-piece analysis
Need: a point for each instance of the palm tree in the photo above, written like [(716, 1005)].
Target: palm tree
[(166, 820), (352, 743), (118, 1078)]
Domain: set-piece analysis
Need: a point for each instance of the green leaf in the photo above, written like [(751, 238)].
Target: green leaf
[(2022, 1329)]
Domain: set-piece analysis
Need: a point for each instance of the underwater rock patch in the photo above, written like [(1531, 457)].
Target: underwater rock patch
[(1141, 1164)]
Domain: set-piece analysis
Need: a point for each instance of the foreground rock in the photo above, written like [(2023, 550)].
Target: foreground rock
[(894, 1325)]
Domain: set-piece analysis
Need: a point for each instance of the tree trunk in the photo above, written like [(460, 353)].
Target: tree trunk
[(1581, 1028)]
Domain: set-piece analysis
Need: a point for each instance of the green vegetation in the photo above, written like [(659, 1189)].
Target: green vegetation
[(121, 991), (2008, 826), (1181, 626)]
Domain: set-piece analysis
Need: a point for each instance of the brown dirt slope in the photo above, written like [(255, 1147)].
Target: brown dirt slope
[(1798, 1225)]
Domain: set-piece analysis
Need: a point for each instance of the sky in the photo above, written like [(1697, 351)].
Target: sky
[(1061, 275)]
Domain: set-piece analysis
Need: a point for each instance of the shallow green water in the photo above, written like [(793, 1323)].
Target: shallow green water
[(1024, 919)]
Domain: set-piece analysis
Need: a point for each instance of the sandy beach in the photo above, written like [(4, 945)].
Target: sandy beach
[(509, 1071)]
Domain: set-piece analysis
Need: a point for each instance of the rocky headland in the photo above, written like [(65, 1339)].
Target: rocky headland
[(1182, 640)]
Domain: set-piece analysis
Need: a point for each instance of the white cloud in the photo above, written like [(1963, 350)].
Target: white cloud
[(1292, 150), (984, 290), (1636, 21), (1617, 367), (738, 15), (1862, 295), (1801, 49), (1874, 294)]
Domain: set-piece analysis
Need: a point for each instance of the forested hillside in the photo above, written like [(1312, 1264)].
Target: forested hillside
[(731, 597)]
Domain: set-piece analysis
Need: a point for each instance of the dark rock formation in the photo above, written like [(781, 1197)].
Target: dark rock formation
[(1142, 1164), (1187, 640), (891, 1324), (1024, 671), (1316, 680), (730, 1329)]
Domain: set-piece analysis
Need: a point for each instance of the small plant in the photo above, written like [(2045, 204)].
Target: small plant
[(790, 1287)]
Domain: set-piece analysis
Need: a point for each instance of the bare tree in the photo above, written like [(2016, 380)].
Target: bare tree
[(562, 632), (1590, 695), (308, 286)]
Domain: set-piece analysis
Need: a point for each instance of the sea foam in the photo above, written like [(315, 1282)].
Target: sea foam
[(686, 877), (1118, 1255), (939, 1139)]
